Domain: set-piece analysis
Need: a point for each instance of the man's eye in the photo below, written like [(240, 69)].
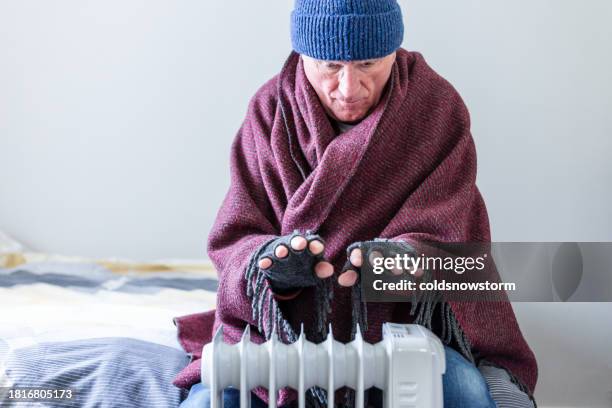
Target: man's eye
[(332, 66), (367, 64)]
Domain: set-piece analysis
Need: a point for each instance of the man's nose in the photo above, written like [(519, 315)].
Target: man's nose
[(349, 83)]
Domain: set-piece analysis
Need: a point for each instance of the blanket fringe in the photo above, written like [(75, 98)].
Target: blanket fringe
[(423, 307), (261, 295)]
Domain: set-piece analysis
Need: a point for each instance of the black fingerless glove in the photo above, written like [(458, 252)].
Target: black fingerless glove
[(387, 248), (294, 271)]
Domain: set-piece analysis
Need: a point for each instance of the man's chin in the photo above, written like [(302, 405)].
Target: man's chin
[(350, 117)]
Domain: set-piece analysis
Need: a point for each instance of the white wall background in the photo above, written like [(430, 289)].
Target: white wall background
[(116, 119)]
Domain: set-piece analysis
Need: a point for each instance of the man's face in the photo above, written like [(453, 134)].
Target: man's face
[(349, 90)]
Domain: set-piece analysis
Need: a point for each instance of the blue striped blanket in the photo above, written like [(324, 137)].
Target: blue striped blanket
[(106, 335)]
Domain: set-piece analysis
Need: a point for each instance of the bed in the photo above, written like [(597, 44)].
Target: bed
[(100, 330)]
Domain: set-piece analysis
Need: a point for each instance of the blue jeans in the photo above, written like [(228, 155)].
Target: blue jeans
[(199, 397), (464, 387)]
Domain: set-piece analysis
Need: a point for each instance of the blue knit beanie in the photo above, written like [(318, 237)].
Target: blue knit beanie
[(345, 30)]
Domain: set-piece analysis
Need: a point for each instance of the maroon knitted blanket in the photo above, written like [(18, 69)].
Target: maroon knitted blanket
[(407, 171)]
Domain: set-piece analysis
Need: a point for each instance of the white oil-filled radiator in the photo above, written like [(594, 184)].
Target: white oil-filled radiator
[(407, 365)]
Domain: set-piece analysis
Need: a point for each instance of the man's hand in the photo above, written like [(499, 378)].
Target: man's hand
[(295, 261), (352, 270)]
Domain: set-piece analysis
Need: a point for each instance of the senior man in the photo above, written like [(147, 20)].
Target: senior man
[(355, 140)]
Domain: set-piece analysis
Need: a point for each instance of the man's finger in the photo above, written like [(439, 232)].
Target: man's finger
[(348, 278), (373, 256), (298, 243), (316, 247), (356, 257), (324, 269), (281, 251), (265, 263)]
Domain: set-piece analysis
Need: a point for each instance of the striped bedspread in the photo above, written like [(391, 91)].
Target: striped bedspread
[(102, 329)]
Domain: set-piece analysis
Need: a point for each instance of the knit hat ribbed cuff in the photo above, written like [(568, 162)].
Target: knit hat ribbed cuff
[(347, 37)]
